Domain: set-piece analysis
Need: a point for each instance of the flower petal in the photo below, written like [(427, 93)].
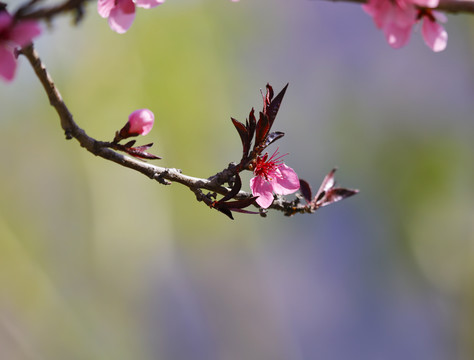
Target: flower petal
[(439, 16), (434, 35), (379, 10), (24, 32), (104, 7), (397, 36), (5, 20), (7, 64), (121, 17), (263, 189), (426, 3), (148, 4), (287, 182)]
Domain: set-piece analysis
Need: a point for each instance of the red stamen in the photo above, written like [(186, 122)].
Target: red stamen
[(265, 167)]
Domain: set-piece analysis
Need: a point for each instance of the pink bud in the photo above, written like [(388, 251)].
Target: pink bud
[(141, 122)]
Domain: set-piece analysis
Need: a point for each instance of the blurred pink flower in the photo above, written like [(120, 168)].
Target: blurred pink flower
[(121, 13), (397, 17), (433, 33), (13, 34), (272, 176), (140, 122)]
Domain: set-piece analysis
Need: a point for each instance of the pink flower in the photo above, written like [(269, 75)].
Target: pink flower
[(13, 34), (272, 176), (397, 17), (121, 13), (140, 122)]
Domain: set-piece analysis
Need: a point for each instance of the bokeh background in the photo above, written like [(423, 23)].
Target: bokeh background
[(99, 262)]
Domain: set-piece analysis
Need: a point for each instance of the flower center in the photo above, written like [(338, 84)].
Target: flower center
[(266, 167), (425, 12)]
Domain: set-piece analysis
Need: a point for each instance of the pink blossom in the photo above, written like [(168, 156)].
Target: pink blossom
[(433, 33), (272, 176), (140, 122), (397, 17), (121, 13), (394, 18), (13, 34)]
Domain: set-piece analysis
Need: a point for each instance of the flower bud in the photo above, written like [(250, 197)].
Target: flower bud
[(140, 122)]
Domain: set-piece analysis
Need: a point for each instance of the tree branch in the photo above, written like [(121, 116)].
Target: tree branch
[(163, 175), (326, 195), (30, 10)]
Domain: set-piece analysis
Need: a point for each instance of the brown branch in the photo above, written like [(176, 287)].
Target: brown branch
[(449, 6), (29, 10), (163, 175)]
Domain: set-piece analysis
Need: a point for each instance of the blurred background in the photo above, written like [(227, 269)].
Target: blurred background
[(99, 262)]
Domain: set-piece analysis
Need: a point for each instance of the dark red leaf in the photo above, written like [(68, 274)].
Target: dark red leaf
[(252, 124), (130, 143), (268, 96), (138, 153), (244, 137), (328, 194), (143, 147), (335, 195), (273, 136), (305, 190), (237, 205), (262, 130), (225, 211), (272, 109), (240, 204), (327, 183), (245, 211), (235, 189)]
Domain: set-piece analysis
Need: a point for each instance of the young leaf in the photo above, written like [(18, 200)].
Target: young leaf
[(130, 143), (274, 136), (252, 124), (262, 130), (235, 189), (305, 190), (225, 211), (244, 137), (272, 109), (335, 195), (328, 194), (328, 182), (268, 96)]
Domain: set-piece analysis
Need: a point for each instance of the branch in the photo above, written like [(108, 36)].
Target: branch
[(166, 176), (449, 6), (29, 10), (103, 149)]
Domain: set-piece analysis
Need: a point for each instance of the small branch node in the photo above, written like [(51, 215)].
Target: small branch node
[(160, 177)]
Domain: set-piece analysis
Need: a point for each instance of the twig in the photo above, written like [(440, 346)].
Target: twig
[(28, 11), (162, 175)]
